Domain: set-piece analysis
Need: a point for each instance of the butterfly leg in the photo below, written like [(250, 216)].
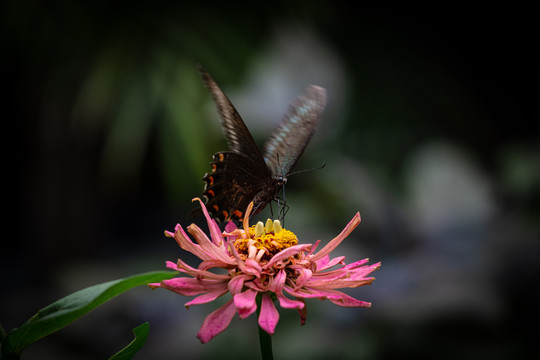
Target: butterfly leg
[(283, 209)]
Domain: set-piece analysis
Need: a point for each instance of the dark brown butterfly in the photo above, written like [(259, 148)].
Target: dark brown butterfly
[(242, 174)]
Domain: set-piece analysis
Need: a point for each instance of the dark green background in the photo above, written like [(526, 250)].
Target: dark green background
[(429, 133)]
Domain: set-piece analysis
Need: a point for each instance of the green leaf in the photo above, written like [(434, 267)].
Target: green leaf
[(68, 309), (141, 334)]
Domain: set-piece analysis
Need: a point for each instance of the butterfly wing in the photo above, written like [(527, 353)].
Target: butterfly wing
[(237, 135), (238, 176), (291, 137), (235, 180)]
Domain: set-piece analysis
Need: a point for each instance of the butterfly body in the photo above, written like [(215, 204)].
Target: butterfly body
[(242, 174)]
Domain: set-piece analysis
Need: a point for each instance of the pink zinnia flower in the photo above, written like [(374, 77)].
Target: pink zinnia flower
[(265, 260)]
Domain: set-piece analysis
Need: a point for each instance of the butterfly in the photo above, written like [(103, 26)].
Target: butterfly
[(243, 174)]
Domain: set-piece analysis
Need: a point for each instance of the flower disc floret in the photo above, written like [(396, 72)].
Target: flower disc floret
[(267, 240)]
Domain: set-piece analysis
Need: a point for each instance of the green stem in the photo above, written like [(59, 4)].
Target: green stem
[(265, 339)]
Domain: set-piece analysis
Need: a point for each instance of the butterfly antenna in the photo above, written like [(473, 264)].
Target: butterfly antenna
[(307, 170)]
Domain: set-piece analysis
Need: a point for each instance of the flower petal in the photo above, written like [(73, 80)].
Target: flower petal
[(308, 293), (206, 298), (277, 282), (236, 284), (185, 243), (190, 286), (276, 286), (245, 223), (269, 316), (182, 266), (245, 303), (249, 266), (252, 267), (284, 254), (216, 322), (337, 297), (356, 264), (172, 265), (347, 276), (210, 264), (303, 278), (347, 301), (256, 285), (341, 283), (230, 227), (215, 251), (315, 245), (215, 232), (303, 313), (338, 239), (323, 265), (287, 303)]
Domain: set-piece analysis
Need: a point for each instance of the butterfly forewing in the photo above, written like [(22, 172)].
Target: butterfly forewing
[(237, 135), (290, 138)]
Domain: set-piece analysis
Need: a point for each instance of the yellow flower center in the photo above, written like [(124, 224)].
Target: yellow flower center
[(265, 240)]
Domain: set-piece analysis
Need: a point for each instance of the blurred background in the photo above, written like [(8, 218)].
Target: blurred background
[(428, 132)]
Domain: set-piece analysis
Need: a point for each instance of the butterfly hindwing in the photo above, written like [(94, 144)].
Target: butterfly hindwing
[(232, 184)]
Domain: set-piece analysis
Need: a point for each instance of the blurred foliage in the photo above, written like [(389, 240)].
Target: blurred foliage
[(118, 76)]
